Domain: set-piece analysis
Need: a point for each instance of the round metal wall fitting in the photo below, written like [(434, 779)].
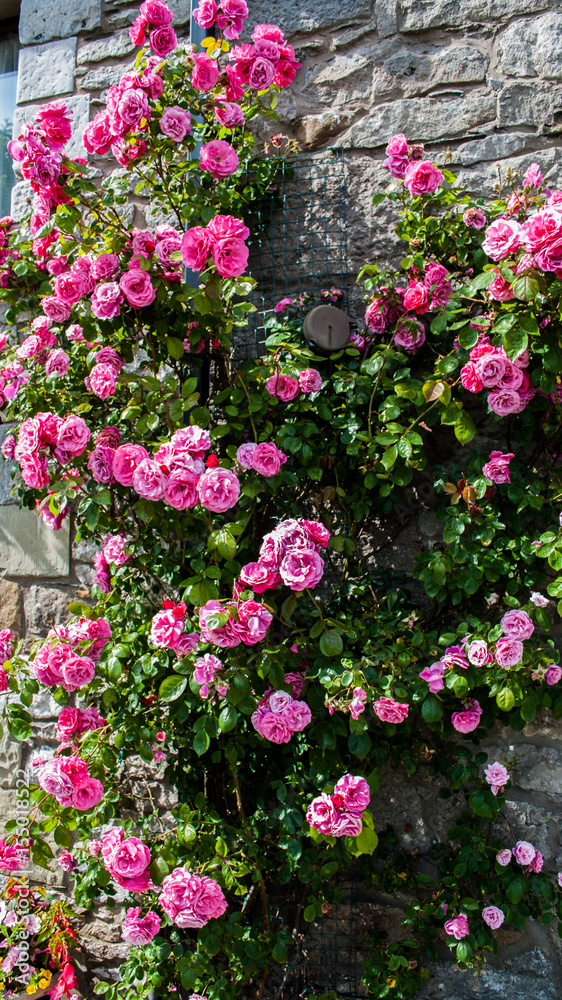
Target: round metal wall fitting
[(326, 329)]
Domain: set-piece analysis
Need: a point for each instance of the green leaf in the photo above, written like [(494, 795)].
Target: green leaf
[(465, 428), (431, 709), (228, 718), (389, 457), (516, 888), (175, 348), (62, 837), (366, 841), (201, 742), (527, 287), (331, 643), (172, 687), (514, 342), (310, 913), (505, 699)]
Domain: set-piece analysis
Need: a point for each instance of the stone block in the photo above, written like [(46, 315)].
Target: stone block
[(45, 607), (533, 48), (408, 70), (29, 548), (385, 16), (42, 20), (113, 47), (314, 130), (493, 147), (309, 15), (421, 15), (80, 107), (10, 606), (529, 104), (103, 76), (423, 119), (344, 78), (46, 70), (22, 196), (519, 978)]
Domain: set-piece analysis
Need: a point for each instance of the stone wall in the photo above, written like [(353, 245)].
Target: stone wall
[(480, 82)]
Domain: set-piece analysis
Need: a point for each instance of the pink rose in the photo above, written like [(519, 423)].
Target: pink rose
[(503, 237), (310, 381), (475, 218), (553, 674), (228, 115), (389, 710), (196, 246), (53, 780), (376, 316), (55, 309), (524, 852), (477, 652), (106, 300), (503, 857), (517, 625), (102, 380), (253, 622), (213, 629), (205, 14), (421, 177), (282, 386), (190, 900), (77, 671), (137, 288), (205, 668), (505, 401), (346, 825), (12, 857), (491, 368), (497, 776), (397, 156), (175, 123), (193, 439), (457, 927), (87, 793), (181, 489), (126, 460), (258, 577), (73, 436), (98, 134), (469, 719), (219, 158), (57, 363), (509, 652), (434, 675), (272, 726), (267, 459), (129, 859), (218, 490), (297, 715), (410, 334), (70, 287), (500, 289), (416, 297), (316, 532), (321, 814), (104, 266), (230, 257), (140, 930), (222, 227), (355, 793), (493, 917), (163, 41), (497, 469), (148, 479), (205, 73), (245, 455), (301, 569), (166, 629)]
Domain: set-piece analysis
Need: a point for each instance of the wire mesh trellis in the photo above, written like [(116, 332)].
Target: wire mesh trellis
[(301, 241)]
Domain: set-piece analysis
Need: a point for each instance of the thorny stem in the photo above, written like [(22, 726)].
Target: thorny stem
[(242, 814)]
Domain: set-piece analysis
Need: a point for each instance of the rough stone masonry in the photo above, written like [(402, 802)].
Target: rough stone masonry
[(478, 81)]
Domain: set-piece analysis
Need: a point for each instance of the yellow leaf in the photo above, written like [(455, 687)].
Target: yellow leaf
[(208, 43), (225, 45)]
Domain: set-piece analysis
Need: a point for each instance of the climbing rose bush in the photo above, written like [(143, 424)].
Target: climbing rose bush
[(243, 641)]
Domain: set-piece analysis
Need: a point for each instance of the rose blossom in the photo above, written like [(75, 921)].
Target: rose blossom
[(57, 363), (434, 675), (166, 629), (497, 469), (376, 316), (517, 625), (219, 158), (467, 720), (297, 715), (421, 177), (126, 460), (140, 930), (397, 156), (137, 288), (156, 12), (475, 218), (493, 917), (283, 387), (524, 852), (505, 401), (355, 793), (148, 479), (196, 246), (477, 652), (180, 491), (346, 825), (55, 309), (503, 857), (301, 569), (410, 334), (102, 381), (205, 73), (310, 381), (229, 115), (106, 300), (389, 710), (509, 652), (553, 674), (190, 900), (497, 776), (73, 436), (218, 489), (245, 455), (457, 927), (267, 459), (416, 297), (503, 236), (230, 257), (87, 793), (258, 577), (271, 726), (175, 123), (163, 41), (128, 863), (538, 600)]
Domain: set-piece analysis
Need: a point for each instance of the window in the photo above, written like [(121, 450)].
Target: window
[(9, 47)]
